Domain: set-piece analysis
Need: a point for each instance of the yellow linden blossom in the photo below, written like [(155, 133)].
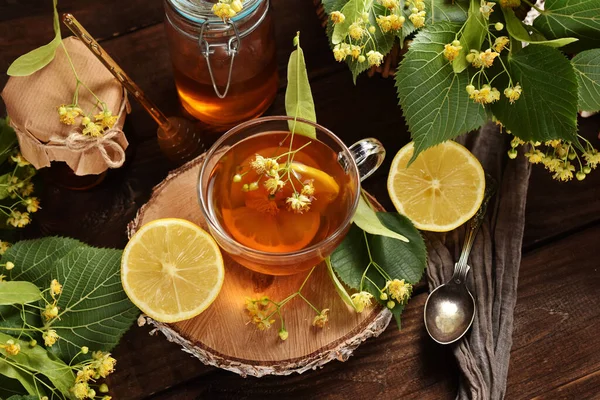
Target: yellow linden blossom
[(592, 158), (50, 337), (500, 43), (106, 119), (92, 129), (308, 190), (85, 375), (341, 51), (80, 390), (18, 219), (535, 156), (264, 165), (50, 312), (375, 58), (486, 9), (564, 172), (27, 189), (298, 203), (418, 19), (553, 143), (398, 290), (4, 246), (361, 300), (551, 163), (510, 3), (19, 160), (9, 265), (11, 348), (32, 203), (355, 51), (485, 95), (451, 50), (321, 319), (226, 9), (356, 30), (513, 93), (389, 4), (487, 57), (103, 363), (391, 22), (55, 287), (337, 17), (274, 184), (67, 114)]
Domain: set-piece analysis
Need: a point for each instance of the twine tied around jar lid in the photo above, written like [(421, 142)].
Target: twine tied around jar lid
[(80, 143)]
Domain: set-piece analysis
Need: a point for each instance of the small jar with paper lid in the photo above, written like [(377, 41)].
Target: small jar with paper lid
[(225, 69), (70, 123)]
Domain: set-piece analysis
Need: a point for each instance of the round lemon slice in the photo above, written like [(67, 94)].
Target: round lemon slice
[(172, 270), (441, 190)]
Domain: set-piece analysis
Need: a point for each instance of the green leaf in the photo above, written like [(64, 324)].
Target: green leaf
[(518, 31), (339, 286), (37, 59), (547, 108), (94, 309), (398, 259), (25, 379), (333, 5), (34, 259), (587, 71), (21, 397), (38, 360), (446, 10), (577, 18), (433, 98), (352, 10), (8, 140), (402, 260), (298, 97), (472, 36), (18, 292), (366, 219), (350, 258)]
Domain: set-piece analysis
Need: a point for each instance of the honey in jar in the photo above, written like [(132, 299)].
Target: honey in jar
[(225, 71)]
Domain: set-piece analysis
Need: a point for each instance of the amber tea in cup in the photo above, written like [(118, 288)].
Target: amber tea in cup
[(277, 202)]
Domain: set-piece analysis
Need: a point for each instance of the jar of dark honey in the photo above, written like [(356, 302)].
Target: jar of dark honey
[(225, 70)]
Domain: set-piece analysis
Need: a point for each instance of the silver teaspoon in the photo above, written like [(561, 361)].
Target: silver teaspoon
[(450, 308)]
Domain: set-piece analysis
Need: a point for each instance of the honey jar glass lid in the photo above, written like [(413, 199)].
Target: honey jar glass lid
[(200, 11)]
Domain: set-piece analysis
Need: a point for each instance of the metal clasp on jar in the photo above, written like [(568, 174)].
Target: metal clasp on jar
[(231, 50)]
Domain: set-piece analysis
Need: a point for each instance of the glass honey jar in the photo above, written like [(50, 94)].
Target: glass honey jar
[(225, 71)]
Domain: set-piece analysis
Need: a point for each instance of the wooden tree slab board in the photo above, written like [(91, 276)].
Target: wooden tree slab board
[(222, 336)]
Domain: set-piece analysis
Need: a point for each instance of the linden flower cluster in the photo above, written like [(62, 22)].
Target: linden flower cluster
[(276, 177), (19, 188), (262, 311), (395, 291), (101, 122), (482, 60), (561, 158), (227, 9), (361, 31), (86, 372)]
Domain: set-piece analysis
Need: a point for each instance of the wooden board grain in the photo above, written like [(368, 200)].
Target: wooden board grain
[(223, 336)]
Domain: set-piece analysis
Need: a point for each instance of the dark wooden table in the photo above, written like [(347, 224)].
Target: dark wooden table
[(556, 341)]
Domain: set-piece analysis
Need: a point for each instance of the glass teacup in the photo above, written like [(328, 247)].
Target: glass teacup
[(279, 203)]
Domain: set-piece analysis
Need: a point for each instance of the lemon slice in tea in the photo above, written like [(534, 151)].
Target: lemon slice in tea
[(172, 270), (325, 186), (442, 189)]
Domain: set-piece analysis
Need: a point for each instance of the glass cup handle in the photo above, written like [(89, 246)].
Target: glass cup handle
[(369, 155)]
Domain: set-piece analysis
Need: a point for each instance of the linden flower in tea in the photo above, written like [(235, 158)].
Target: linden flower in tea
[(278, 193)]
